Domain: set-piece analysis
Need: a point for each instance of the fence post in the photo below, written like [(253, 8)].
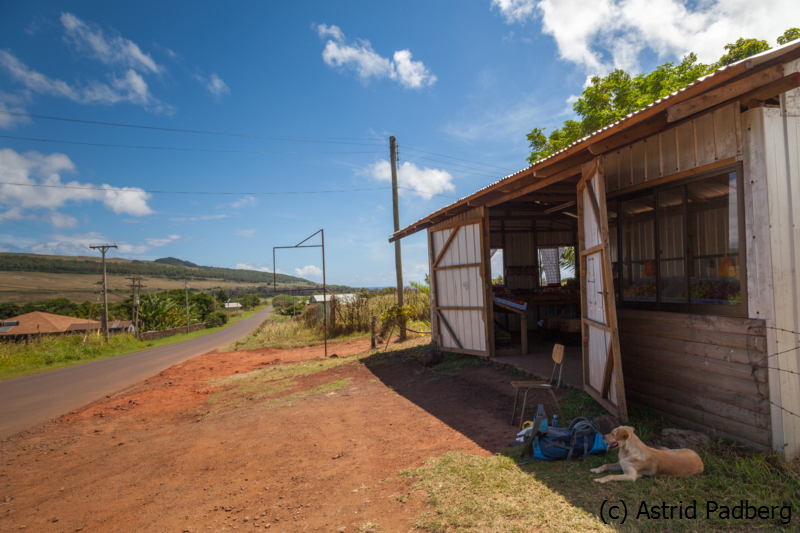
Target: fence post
[(372, 341)]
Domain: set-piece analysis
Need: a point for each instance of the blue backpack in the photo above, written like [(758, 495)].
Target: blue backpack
[(579, 439)]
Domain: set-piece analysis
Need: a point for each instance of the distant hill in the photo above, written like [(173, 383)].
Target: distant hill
[(168, 267), (176, 262)]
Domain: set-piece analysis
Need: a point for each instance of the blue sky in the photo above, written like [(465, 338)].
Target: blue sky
[(463, 81)]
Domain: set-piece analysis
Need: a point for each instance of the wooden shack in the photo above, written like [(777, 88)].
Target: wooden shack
[(683, 220)]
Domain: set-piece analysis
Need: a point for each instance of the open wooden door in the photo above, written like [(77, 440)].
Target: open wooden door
[(602, 369), (459, 287)]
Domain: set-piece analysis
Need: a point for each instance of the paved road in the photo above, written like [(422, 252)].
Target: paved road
[(32, 400)]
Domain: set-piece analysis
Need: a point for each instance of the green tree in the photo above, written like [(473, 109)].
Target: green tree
[(222, 297), (424, 287), (742, 49), (610, 98), (8, 310), (789, 35)]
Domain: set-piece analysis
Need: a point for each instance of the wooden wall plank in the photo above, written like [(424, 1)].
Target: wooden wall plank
[(687, 155), (612, 170), (725, 132), (759, 420), (669, 152), (719, 367), (653, 156), (742, 386), (730, 340), (625, 168), (704, 322), (697, 349), (732, 427), (704, 139), (638, 163), (706, 390)]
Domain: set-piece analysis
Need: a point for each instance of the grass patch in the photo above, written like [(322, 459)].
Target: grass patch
[(369, 527), (283, 332), (474, 493), (454, 363), (58, 351), (269, 383)]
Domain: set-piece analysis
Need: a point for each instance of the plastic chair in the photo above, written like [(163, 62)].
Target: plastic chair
[(546, 386)]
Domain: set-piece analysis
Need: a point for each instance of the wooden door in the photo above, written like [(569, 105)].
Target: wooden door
[(459, 287), (602, 369)]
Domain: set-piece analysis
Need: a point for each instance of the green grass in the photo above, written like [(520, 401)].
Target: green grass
[(18, 359)]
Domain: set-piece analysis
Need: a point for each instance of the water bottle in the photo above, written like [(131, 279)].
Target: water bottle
[(555, 421)]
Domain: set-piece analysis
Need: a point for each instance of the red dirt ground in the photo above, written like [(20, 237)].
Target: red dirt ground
[(158, 458)]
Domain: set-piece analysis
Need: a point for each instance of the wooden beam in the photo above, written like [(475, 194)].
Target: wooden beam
[(539, 184), (556, 167), (560, 207), (630, 135), (444, 248), (723, 94), (787, 83), (449, 329)]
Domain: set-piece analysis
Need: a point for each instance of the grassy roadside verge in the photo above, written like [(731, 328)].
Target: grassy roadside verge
[(19, 360)]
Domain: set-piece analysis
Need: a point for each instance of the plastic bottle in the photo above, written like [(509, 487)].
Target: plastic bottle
[(555, 421)]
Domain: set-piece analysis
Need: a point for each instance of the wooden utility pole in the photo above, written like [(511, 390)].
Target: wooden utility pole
[(104, 248), (136, 286), (186, 288), (398, 261)]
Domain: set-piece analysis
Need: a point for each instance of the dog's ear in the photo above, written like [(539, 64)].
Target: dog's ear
[(621, 433), (632, 430)]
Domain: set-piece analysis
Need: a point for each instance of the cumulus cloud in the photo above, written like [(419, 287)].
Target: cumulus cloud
[(412, 180), (253, 266), (247, 232), (112, 50), (214, 84), (130, 87), (308, 271), (367, 63), (614, 33), (42, 190), (78, 244)]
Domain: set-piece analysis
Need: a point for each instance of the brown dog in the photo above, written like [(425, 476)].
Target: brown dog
[(636, 459)]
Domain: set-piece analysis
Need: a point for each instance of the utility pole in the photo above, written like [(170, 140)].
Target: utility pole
[(136, 286), (104, 248), (186, 288), (398, 261)]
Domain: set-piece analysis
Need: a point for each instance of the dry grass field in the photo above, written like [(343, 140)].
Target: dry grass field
[(24, 287)]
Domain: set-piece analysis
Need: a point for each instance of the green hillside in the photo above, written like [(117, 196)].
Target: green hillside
[(170, 268)]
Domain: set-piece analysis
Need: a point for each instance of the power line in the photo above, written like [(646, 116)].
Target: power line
[(175, 148), (476, 172), (330, 140), (40, 185), (458, 159)]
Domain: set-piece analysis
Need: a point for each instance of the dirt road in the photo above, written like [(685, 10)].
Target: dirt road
[(28, 401), (263, 440)]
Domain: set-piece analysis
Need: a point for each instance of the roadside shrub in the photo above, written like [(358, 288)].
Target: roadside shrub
[(216, 319)]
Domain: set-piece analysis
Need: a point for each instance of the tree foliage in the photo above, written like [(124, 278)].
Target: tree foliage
[(610, 98)]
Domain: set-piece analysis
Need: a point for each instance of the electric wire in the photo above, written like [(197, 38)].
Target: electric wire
[(177, 149), (330, 140), (458, 159), (214, 193)]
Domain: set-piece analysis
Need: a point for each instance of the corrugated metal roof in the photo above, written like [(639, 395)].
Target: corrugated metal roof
[(754, 60)]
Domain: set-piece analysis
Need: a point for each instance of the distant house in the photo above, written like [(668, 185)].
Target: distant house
[(45, 323), (233, 305), (116, 326), (343, 299)]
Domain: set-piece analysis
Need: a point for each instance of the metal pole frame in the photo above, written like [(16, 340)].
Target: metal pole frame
[(299, 289)]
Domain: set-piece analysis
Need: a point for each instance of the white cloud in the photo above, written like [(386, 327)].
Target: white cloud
[(412, 180), (244, 201), (499, 121), (367, 63), (214, 84), (609, 34), (130, 88), (195, 219), (309, 271), (12, 103), (33, 168), (217, 86), (247, 232), (78, 244), (115, 50), (253, 266)]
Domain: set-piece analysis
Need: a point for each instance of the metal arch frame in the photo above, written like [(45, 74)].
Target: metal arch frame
[(300, 289)]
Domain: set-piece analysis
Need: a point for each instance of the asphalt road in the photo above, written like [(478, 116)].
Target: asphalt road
[(29, 401)]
